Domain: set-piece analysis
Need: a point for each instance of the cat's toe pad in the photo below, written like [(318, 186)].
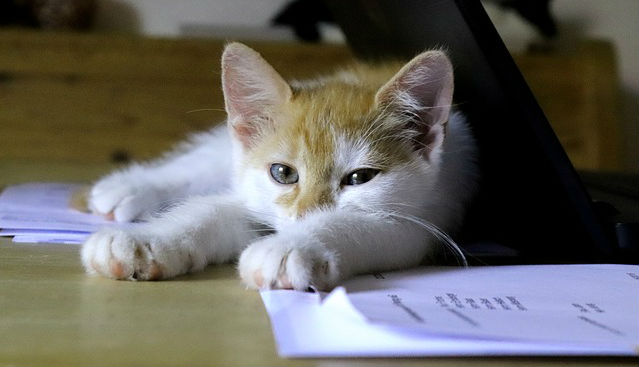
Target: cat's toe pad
[(278, 263), (117, 254)]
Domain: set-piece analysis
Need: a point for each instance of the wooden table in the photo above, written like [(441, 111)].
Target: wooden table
[(69, 105), (53, 314)]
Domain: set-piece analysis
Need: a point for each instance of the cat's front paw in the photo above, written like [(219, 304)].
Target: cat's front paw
[(123, 196), (278, 262), (130, 255), (115, 253)]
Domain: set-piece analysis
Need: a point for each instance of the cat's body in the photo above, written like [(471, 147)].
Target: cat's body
[(310, 183)]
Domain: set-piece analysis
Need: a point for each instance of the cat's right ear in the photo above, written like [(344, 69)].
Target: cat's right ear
[(423, 92), (252, 91)]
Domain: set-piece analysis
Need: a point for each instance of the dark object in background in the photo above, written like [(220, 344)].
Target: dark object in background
[(16, 12), (532, 206), (536, 12), (304, 17), (48, 14)]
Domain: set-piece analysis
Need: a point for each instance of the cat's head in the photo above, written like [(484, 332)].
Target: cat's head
[(368, 138)]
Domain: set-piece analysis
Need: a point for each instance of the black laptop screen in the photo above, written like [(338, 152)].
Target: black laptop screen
[(531, 200)]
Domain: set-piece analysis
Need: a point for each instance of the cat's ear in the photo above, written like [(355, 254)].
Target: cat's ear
[(252, 90), (422, 92)]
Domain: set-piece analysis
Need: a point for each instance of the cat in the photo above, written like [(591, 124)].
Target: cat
[(309, 183)]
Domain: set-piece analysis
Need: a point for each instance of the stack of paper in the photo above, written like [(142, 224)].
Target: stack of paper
[(42, 212), (510, 310)]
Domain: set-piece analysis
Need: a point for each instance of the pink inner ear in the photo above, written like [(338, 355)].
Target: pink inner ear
[(423, 88), (252, 90), (242, 102), (433, 140), (243, 133)]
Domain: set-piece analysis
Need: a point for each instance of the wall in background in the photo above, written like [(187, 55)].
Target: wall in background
[(615, 20)]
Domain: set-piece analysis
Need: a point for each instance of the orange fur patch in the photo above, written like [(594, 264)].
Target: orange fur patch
[(306, 130)]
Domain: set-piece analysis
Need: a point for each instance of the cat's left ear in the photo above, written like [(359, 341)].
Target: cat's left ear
[(252, 91), (422, 92)]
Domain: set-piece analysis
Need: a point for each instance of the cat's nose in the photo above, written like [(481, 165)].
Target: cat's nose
[(312, 201)]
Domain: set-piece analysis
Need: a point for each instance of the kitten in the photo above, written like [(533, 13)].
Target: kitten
[(311, 183)]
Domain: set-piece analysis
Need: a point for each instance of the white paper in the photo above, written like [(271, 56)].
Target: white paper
[(576, 303), (36, 232), (64, 239), (345, 325), (39, 196), (41, 212), (45, 236), (70, 221)]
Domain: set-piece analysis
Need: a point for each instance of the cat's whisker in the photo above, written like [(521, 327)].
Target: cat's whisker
[(379, 123), (438, 233), (398, 136), (261, 213), (265, 230), (373, 128), (206, 110), (405, 205), (263, 218)]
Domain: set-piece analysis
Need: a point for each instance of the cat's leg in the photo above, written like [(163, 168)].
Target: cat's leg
[(202, 166), (200, 231), (325, 248)]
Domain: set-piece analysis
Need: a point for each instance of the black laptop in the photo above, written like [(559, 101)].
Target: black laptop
[(532, 206)]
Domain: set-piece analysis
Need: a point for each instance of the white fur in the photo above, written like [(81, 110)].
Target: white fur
[(366, 231), (201, 166), (221, 209)]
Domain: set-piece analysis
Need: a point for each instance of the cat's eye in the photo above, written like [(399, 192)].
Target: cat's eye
[(360, 176), (284, 174)]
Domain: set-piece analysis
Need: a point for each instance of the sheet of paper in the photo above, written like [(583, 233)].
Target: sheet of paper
[(42, 212), (39, 196), (45, 236), (37, 232), (69, 221), (554, 303), (65, 239), (342, 325)]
